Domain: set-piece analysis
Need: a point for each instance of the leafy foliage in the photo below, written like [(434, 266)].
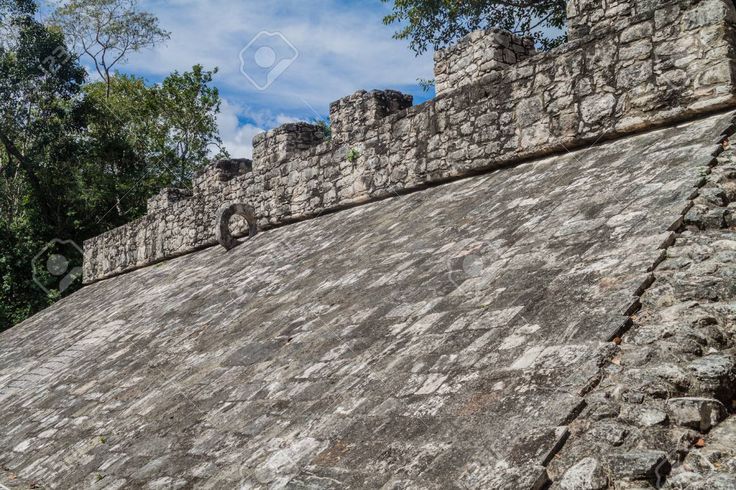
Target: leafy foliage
[(325, 126), (39, 115), (143, 138), (425, 85), (352, 155), (39, 125), (79, 158), (439, 23), (19, 295)]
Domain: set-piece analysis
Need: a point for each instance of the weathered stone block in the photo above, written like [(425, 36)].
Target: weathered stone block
[(166, 197), (715, 374), (588, 474), (640, 464), (589, 16), (350, 116), (697, 413), (272, 148), (478, 54), (221, 171)]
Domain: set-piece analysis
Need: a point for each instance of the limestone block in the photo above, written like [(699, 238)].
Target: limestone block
[(478, 54), (272, 148), (166, 197), (350, 114)]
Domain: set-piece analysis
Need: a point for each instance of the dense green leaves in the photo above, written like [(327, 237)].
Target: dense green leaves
[(439, 23), (145, 137), (39, 112), (79, 158), (19, 295)]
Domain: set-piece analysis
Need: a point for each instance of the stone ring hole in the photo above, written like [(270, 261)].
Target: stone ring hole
[(222, 223)]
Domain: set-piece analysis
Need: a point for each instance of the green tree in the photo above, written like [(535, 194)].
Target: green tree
[(40, 125), (107, 31), (439, 23), (20, 297), (143, 138), (77, 159), (188, 108), (39, 113)]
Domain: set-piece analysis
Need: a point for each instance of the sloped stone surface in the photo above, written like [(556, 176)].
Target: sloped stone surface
[(657, 63), (672, 383), (443, 339)]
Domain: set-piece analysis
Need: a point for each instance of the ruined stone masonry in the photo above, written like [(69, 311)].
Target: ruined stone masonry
[(478, 54), (558, 313), (643, 64), (660, 413), (448, 338)]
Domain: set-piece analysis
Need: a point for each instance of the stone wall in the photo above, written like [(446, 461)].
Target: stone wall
[(167, 197), (348, 116), (666, 63), (478, 54), (439, 340), (597, 16), (276, 147), (660, 412)]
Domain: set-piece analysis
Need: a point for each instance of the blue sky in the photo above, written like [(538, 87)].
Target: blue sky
[(339, 46)]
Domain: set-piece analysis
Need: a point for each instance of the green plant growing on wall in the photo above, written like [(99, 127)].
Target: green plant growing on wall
[(324, 124), (426, 84), (353, 155)]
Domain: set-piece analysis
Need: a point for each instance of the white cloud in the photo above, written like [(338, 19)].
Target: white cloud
[(341, 49), (236, 137)]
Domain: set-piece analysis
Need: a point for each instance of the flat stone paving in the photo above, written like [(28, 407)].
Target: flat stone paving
[(441, 339)]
